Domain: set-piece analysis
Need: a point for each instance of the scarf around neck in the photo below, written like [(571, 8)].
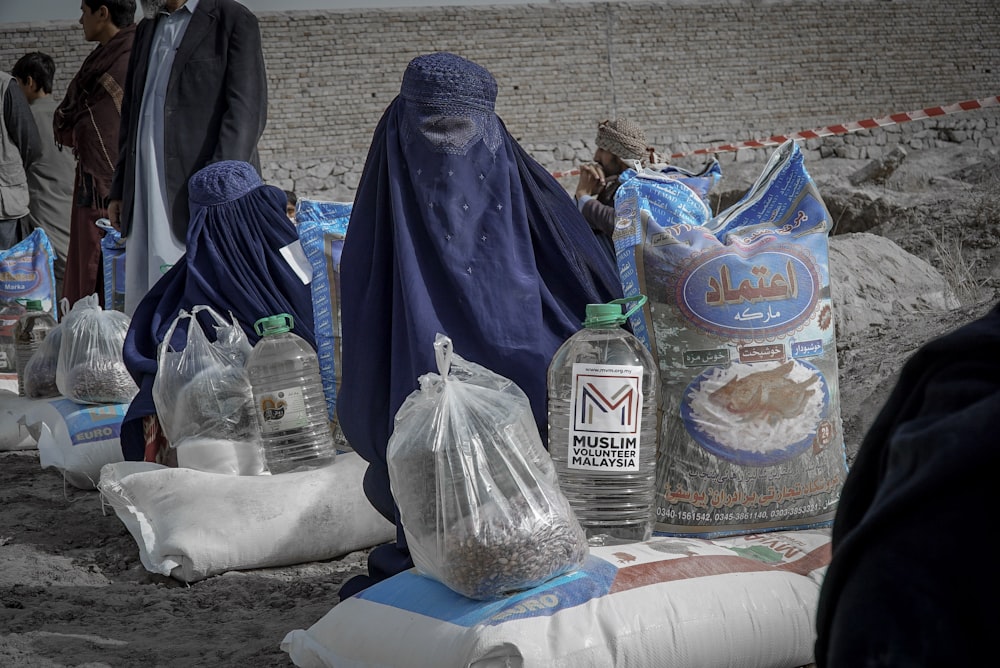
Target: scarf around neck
[(88, 117)]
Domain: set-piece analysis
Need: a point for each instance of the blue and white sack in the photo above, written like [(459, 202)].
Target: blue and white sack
[(740, 319), (113, 256), (27, 272), (322, 230), (668, 194)]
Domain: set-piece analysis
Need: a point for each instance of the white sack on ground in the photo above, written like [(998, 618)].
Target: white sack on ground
[(219, 455), (745, 600), (75, 439), (15, 431), (191, 524)]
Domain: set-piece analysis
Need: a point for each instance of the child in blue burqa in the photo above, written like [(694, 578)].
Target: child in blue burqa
[(455, 229)]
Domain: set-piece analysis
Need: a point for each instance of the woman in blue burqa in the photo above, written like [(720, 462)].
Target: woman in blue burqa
[(233, 263), (455, 229)]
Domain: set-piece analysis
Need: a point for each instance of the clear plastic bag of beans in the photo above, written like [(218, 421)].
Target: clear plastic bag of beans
[(477, 493), (91, 369)]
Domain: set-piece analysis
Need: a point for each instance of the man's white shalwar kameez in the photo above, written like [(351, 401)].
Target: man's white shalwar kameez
[(151, 247)]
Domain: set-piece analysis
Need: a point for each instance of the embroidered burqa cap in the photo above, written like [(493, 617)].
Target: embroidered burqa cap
[(455, 230), (221, 182), (449, 81), (623, 138)]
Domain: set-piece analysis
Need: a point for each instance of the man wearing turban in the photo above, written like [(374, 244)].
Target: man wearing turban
[(620, 145)]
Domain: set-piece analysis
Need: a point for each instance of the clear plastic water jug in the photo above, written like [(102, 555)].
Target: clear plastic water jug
[(288, 398), (603, 388)]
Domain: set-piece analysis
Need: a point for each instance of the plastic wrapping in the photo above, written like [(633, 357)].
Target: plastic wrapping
[(203, 390), (91, 369), (477, 493), (32, 328), (40, 371)]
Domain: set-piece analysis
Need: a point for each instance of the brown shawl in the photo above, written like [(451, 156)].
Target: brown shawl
[(89, 115)]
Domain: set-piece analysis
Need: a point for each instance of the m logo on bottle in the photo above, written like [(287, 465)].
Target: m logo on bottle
[(607, 409), (607, 404)]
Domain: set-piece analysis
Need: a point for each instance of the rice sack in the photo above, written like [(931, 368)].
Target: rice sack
[(322, 230), (740, 319), (27, 271)]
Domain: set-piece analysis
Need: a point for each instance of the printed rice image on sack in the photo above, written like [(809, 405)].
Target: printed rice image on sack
[(740, 319)]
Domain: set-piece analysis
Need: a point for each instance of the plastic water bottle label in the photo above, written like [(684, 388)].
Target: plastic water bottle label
[(283, 410), (606, 401)]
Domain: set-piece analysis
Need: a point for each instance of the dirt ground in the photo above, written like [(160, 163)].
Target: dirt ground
[(72, 589)]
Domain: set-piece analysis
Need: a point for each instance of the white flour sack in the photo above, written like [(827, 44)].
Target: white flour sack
[(16, 432), (740, 320), (191, 524), (744, 601), (76, 440)]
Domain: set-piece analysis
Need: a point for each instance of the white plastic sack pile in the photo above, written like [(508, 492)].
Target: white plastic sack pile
[(748, 600), (191, 524)]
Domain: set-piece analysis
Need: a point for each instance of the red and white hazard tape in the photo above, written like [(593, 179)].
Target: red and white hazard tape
[(830, 130), (867, 124)]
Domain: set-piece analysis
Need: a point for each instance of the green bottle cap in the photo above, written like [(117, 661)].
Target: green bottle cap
[(274, 324), (610, 314), (604, 315)]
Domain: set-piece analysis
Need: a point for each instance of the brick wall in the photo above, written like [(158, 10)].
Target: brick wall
[(692, 73)]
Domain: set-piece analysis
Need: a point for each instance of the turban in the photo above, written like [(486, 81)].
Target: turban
[(622, 138)]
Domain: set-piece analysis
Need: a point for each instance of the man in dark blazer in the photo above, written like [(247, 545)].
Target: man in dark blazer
[(208, 104)]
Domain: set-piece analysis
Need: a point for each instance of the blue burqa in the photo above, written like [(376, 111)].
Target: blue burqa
[(232, 263), (455, 229)]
